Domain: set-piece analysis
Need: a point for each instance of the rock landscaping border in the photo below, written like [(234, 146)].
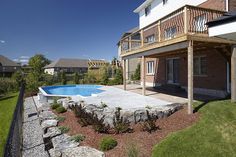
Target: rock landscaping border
[(42, 137)]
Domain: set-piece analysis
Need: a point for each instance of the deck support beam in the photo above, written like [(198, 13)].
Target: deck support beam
[(143, 75), (233, 74), (124, 73), (190, 77)]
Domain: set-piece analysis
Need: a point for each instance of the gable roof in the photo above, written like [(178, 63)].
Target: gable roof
[(4, 61), (226, 18), (68, 63)]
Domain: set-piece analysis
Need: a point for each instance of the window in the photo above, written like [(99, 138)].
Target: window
[(150, 67), (200, 23), (164, 2), (170, 32), (147, 10), (150, 39), (200, 65)]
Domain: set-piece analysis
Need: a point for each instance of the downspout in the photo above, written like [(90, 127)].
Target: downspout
[(227, 5)]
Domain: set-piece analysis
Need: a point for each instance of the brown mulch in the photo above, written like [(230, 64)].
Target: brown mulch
[(144, 140)]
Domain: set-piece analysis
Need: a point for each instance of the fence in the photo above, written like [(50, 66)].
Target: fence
[(14, 140)]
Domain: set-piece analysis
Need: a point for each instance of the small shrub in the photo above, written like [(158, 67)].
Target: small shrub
[(107, 143), (60, 109), (77, 138), (55, 106), (103, 105), (132, 150), (60, 119), (98, 124), (120, 125), (149, 125), (64, 129), (148, 107)]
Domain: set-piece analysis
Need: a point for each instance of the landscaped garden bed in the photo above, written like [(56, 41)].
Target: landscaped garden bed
[(138, 141)]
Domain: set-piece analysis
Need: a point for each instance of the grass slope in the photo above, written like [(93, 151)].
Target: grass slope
[(214, 135), (7, 107)]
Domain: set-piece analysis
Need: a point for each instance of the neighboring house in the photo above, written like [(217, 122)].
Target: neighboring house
[(176, 49), (132, 63), (7, 66), (73, 65)]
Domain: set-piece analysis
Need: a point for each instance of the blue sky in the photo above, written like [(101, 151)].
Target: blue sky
[(64, 28)]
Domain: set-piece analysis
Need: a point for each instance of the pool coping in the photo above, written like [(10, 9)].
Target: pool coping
[(64, 96)]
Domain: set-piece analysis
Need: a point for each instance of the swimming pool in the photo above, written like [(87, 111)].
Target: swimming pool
[(71, 90)]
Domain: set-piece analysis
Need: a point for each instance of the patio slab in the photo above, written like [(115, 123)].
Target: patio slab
[(115, 97)]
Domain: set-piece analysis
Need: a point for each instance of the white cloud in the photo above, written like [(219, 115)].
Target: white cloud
[(2, 42)]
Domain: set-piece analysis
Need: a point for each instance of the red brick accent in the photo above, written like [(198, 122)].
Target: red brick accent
[(232, 5), (216, 71), (214, 4)]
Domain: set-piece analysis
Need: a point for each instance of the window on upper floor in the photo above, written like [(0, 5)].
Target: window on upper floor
[(150, 38), (200, 65), (170, 32), (164, 2), (150, 67), (200, 23), (147, 10)]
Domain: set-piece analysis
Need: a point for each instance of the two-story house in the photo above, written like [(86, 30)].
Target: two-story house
[(175, 48)]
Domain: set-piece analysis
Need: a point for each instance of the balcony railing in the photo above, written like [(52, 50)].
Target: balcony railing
[(186, 20)]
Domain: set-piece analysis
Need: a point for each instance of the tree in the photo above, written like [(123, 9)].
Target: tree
[(37, 63), (63, 78), (76, 78), (136, 75), (118, 76), (18, 77), (105, 76)]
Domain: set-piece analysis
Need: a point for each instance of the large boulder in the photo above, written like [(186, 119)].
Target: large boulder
[(49, 123), (140, 115), (82, 151), (47, 115), (52, 132), (63, 142)]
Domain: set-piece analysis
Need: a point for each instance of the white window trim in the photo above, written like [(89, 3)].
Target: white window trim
[(199, 75), (152, 65)]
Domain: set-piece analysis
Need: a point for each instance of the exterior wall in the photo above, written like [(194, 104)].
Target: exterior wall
[(214, 4), (232, 5), (158, 10), (53, 71), (49, 71), (214, 80)]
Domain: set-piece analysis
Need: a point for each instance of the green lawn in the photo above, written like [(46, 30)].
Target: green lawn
[(213, 136), (7, 106)]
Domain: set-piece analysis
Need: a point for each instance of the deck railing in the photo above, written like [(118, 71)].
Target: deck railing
[(186, 20)]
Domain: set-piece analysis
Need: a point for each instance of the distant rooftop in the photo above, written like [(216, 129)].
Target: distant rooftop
[(71, 63), (4, 61), (66, 62)]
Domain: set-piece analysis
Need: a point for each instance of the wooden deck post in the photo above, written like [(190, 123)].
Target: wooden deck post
[(124, 74), (159, 30), (143, 75), (185, 20), (233, 74), (141, 38), (130, 43), (190, 77)]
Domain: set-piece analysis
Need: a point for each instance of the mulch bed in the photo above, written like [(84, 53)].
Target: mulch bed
[(144, 140)]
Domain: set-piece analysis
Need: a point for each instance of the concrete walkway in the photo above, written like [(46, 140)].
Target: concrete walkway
[(33, 145), (150, 93)]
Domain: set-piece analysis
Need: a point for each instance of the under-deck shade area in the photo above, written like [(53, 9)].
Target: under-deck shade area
[(189, 49)]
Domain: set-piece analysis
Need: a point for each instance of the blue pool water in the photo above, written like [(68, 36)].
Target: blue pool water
[(72, 90)]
